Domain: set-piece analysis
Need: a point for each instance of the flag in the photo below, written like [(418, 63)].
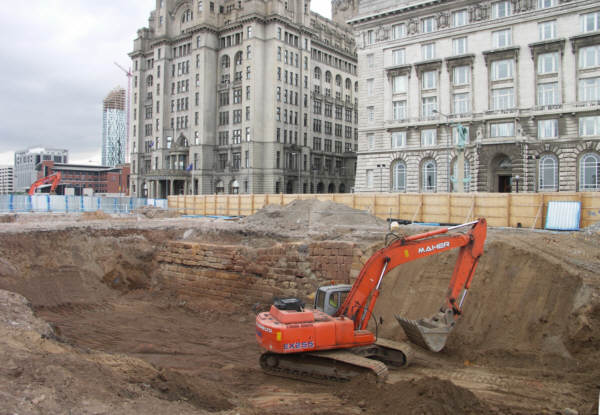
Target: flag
[(190, 167)]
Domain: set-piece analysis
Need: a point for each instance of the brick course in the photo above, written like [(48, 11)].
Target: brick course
[(244, 274)]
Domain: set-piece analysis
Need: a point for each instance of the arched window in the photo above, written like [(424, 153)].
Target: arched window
[(328, 77), (317, 72), (225, 62), (429, 176), (589, 172), (399, 176), (548, 173), (187, 16), (238, 58), (149, 80), (348, 83), (338, 80)]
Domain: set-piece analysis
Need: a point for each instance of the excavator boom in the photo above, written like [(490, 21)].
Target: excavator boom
[(53, 179)]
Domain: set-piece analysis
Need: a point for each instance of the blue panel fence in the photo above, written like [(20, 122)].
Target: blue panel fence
[(74, 204)]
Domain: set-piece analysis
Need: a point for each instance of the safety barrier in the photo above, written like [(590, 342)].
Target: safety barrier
[(74, 204), (526, 210)]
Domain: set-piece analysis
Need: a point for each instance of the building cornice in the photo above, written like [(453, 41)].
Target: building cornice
[(555, 45), (586, 39), (501, 53)]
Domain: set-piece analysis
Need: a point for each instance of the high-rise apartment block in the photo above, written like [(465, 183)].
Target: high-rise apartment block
[(26, 161), (6, 180), (258, 96), (114, 128), (522, 76)]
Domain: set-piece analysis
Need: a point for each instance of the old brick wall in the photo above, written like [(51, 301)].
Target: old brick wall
[(243, 274)]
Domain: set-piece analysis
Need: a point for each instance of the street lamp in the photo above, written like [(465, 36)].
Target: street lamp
[(381, 167)]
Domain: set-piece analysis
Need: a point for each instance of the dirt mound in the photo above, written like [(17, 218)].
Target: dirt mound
[(426, 396), (520, 304), (152, 212), (96, 215), (312, 215)]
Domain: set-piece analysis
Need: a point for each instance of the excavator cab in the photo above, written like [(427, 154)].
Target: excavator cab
[(329, 298)]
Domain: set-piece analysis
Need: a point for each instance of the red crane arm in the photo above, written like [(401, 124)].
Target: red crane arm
[(54, 179), (362, 297)]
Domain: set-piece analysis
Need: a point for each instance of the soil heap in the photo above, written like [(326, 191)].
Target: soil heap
[(312, 216)]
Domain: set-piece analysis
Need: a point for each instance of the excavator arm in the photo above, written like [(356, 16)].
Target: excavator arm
[(430, 333), (53, 179)]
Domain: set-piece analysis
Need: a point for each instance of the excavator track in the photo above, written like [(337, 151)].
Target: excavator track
[(323, 367)]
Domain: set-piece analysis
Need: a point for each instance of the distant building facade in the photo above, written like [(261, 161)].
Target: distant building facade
[(523, 76), (232, 97), (114, 128), (25, 172), (6, 180), (102, 179)]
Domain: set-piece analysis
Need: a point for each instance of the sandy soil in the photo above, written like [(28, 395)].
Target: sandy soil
[(86, 326)]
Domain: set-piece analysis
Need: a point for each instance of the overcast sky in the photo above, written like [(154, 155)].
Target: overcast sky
[(57, 67)]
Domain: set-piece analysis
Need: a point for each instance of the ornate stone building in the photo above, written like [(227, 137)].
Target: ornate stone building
[(253, 96), (523, 76)]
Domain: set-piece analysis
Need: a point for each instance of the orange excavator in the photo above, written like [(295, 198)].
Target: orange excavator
[(53, 180), (331, 342)]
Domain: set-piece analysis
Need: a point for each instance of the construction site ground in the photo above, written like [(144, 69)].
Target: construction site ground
[(134, 314)]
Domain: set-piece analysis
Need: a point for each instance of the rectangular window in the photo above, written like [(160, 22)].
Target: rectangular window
[(548, 94), (371, 114), (462, 103), (371, 141), (548, 129), (370, 87), (428, 51), (398, 31), (501, 9), (503, 98), (589, 126), (428, 137), (462, 75), (370, 37), (459, 46), (548, 63), (502, 69), (369, 179), (370, 60), (501, 38), (505, 129), (399, 139), (399, 57), (399, 109), (589, 57), (429, 80), (547, 30), (589, 89), (459, 18), (590, 22), (429, 104), (429, 25), (544, 4), (399, 84)]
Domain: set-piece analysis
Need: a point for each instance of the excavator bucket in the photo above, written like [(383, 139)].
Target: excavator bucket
[(429, 333)]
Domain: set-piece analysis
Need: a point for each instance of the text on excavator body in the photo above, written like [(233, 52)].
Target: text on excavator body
[(435, 247)]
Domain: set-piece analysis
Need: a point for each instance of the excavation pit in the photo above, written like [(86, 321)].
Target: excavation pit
[(157, 316)]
